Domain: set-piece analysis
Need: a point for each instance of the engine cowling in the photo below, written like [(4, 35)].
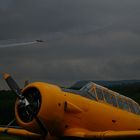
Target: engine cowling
[(46, 102)]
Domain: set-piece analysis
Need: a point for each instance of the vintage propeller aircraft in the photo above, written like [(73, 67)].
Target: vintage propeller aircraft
[(45, 111), (39, 40)]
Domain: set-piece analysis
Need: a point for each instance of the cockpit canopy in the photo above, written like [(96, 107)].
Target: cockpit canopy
[(102, 94)]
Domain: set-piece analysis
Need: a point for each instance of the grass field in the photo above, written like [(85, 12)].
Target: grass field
[(5, 137)]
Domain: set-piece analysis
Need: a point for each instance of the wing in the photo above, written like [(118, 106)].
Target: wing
[(19, 132), (106, 135)]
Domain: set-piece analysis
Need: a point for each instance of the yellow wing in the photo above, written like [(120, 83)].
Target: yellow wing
[(19, 132), (106, 135)]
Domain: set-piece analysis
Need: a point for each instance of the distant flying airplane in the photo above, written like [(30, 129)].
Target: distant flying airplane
[(46, 111), (39, 40)]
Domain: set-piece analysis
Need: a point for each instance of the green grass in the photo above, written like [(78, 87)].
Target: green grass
[(5, 137)]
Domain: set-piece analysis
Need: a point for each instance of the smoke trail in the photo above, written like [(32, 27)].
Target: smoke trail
[(17, 44)]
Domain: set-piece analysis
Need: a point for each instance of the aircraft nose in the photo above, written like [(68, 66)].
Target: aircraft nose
[(27, 111), (28, 108)]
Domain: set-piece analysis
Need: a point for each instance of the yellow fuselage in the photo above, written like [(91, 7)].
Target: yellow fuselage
[(61, 111)]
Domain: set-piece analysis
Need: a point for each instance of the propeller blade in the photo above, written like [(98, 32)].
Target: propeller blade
[(13, 85), (10, 123)]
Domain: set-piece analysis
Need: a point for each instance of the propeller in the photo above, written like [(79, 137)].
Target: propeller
[(26, 103)]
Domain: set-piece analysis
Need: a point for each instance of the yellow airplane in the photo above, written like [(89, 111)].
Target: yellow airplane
[(48, 112)]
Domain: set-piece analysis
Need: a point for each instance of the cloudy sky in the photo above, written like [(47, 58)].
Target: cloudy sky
[(84, 39)]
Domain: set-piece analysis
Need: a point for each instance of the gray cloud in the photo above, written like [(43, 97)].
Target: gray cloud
[(84, 39)]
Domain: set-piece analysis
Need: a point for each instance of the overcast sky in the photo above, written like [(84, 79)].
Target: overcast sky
[(84, 39)]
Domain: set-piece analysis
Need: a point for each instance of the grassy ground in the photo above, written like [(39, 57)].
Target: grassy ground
[(5, 137)]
